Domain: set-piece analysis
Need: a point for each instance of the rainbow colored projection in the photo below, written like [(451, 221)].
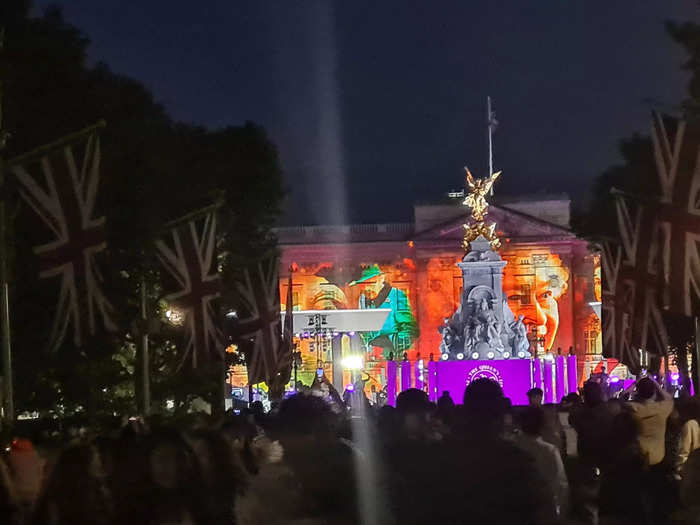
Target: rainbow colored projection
[(421, 292)]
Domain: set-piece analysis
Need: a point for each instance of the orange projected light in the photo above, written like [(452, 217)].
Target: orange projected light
[(535, 284)]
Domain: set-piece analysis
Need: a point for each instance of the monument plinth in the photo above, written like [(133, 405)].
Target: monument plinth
[(483, 327)]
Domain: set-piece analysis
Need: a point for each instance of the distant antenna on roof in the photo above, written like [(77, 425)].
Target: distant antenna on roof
[(492, 124)]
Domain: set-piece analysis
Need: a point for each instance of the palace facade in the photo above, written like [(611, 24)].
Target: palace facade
[(551, 278)]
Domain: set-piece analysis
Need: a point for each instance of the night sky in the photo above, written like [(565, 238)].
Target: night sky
[(377, 105)]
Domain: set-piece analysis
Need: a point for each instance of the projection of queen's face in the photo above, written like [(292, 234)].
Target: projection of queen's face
[(534, 291)]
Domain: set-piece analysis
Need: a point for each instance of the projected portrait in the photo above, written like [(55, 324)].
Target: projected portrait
[(326, 286), (376, 291), (534, 285)]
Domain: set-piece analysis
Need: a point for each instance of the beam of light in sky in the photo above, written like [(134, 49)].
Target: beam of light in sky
[(330, 186)]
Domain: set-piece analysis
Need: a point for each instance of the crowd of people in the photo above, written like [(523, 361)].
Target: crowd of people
[(319, 459)]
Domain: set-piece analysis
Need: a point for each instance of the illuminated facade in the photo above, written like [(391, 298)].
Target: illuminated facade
[(551, 278)]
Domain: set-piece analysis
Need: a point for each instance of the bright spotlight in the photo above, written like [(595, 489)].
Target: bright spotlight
[(232, 314), (490, 355), (460, 356), (175, 316), (506, 355), (475, 355), (521, 354), (445, 356), (352, 362)]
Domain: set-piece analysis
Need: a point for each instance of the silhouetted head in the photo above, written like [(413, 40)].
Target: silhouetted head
[(484, 403), (535, 396), (413, 401), (592, 393), (445, 401), (646, 388), (302, 415), (571, 399), (257, 408), (532, 421), (689, 408)]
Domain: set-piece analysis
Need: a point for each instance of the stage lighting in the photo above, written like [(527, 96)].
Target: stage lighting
[(445, 356), (521, 354), (475, 355), (460, 356), (506, 355), (490, 355), (232, 314), (352, 362)]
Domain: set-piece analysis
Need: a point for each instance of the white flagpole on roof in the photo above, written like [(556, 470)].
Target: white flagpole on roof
[(491, 127)]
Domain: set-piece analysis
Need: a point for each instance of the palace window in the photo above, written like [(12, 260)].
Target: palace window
[(402, 302), (525, 293), (590, 337), (402, 342)]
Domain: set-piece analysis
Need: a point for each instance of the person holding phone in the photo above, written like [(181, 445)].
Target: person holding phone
[(651, 409)]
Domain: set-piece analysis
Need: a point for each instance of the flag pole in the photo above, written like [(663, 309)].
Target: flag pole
[(489, 116), (490, 121), (7, 391)]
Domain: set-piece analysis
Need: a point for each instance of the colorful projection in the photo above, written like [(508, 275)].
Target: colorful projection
[(367, 285), (539, 283), (536, 283)]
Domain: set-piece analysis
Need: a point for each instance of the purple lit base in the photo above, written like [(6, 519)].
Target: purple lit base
[(514, 376)]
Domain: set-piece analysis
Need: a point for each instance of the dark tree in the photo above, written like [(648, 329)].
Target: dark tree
[(153, 170)]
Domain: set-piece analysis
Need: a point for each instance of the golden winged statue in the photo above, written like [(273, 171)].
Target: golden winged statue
[(478, 188), (476, 200)]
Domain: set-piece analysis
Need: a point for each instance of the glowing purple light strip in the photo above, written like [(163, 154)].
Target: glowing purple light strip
[(572, 373), (391, 383), (419, 373), (560, 377), (548, 383), (432, 381), (537, 372), (405, 375)]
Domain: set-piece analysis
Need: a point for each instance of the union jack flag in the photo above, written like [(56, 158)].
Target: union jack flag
[(633, 317), (677, 154), (258, 291), (61, 186), (188, 253), (616, 314)]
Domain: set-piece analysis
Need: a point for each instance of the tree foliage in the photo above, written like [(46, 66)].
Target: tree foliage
[(637, 172), (153, 171), (636, 175)]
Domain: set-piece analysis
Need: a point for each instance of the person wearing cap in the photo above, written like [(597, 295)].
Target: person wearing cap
[(378, 293)]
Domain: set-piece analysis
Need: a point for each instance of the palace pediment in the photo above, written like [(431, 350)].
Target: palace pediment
[(512, 224)]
